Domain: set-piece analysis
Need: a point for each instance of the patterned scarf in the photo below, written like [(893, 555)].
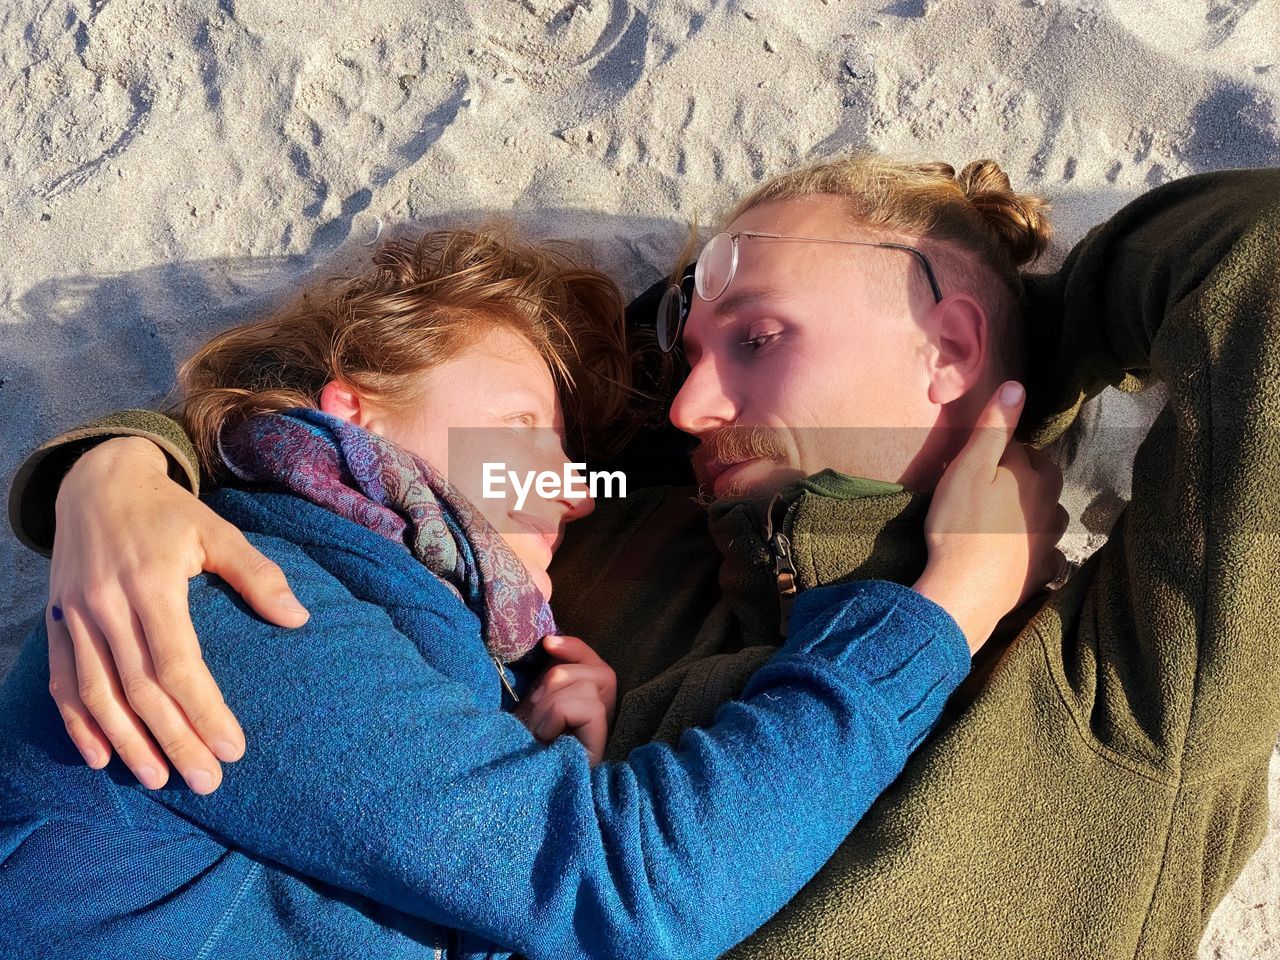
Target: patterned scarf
[(385, 488)]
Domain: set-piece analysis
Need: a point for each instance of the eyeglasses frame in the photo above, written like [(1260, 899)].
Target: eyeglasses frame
[(693, 272)]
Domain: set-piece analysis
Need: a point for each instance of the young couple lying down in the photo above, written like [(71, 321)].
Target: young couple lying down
[(423, 761)]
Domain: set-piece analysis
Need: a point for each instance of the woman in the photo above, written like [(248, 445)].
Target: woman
[(390, 803)]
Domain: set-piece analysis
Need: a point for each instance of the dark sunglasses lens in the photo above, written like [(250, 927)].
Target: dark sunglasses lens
[(670, 318)]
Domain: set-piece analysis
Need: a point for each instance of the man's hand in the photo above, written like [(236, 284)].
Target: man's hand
[(577, 696), (994, 523), (125, 667)]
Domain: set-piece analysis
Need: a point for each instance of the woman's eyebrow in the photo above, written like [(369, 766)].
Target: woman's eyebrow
[(535, 401)]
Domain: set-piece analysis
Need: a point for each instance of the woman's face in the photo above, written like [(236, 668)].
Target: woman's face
[(493, 404)]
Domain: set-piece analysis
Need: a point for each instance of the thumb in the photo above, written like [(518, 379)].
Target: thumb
[(993, 429), (571, 649), (259, 582)]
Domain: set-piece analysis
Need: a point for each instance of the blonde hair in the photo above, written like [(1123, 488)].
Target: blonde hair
[(975, 229), (420, 302)]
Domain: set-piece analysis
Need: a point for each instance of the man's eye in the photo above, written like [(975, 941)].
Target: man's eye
[(759, 340)]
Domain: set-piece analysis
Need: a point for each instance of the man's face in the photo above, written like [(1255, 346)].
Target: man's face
[(817, 346)]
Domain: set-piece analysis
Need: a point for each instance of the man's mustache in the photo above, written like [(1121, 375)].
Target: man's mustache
[(733, 444)]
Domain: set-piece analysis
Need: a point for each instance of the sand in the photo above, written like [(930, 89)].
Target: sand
[(172, 167)]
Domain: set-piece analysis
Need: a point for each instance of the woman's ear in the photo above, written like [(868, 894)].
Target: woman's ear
[(960, 336), (339, 400)]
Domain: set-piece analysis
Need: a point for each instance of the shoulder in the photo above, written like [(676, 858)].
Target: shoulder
[(359, 587), (270, 673), (300, 535)]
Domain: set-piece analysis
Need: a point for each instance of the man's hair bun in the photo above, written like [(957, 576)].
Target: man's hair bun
[(1019, 221)]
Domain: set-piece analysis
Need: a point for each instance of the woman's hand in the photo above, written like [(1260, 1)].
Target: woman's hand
[(994, 523), (577, 696), (124, 664)]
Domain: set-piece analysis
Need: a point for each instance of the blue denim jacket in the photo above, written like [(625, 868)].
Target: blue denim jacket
[(388, 805)]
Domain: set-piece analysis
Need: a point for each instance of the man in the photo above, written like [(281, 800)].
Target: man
[(1099, 788)]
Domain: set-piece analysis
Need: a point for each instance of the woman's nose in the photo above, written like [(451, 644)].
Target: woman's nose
[(577, 507)]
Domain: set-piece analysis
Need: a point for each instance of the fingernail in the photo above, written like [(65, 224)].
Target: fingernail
[(1011, 394), (290, 603), (535, 696), (93, 756), (225, 750), (149, 777), (551, 640), (201, 781)]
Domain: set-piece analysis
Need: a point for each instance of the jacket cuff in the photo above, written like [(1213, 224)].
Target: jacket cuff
[(34, 490), (902, 645)]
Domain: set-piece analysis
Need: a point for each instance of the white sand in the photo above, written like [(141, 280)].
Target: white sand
[(169, 167)]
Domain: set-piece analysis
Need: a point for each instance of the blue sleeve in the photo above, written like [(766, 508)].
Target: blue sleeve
[(370, 770)]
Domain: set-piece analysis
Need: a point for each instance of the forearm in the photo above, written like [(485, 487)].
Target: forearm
[(707, 839), (1122, 310)]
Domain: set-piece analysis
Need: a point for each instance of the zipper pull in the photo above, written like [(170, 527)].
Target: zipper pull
[(502, 675), (784, 571)]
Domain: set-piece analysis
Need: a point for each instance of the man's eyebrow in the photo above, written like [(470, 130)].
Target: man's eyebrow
[(752, 296)]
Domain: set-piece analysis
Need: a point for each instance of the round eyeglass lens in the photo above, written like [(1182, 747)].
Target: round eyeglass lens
[(716, 266), (669, 319)]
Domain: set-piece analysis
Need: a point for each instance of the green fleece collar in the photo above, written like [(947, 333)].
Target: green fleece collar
[(844, 486)]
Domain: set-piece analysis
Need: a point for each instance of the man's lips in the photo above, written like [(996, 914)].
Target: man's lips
[(713, 468), (726, 471)]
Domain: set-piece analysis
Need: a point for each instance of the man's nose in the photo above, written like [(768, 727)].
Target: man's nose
[(702, 405)]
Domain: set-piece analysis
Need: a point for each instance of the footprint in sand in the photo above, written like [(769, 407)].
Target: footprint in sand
[(1182, 28), (105, 101), (551, 38)]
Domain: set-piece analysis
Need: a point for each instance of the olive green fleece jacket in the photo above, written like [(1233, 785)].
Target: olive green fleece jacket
[(1102, 779)]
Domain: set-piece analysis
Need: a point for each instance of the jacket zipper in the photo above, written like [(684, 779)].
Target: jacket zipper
[(784, 566), (711, 692), (784, 571), (502, 675)]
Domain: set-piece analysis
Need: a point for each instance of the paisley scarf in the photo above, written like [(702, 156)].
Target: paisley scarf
[(385, 488)]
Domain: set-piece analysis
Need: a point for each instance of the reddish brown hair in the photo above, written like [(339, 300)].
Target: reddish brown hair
[(420, 302)]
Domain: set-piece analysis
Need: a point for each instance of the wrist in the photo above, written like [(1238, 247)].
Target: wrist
[(970, 617), (110, 458), (131, 451)]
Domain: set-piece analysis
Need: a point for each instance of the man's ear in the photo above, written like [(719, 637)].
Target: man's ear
[(339, 400), (960, 342)]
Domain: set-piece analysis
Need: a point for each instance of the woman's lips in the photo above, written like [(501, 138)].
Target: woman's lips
[(548, 532)]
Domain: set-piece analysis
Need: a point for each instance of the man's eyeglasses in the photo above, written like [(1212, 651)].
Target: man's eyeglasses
[(710, 275)]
